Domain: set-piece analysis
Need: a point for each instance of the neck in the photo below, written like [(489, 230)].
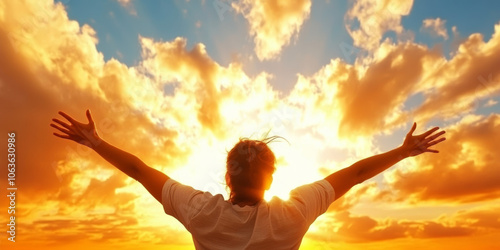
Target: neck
[(250, 197), (246, 203)]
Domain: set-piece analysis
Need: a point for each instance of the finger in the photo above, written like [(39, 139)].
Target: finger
[(62, 123), (435, 142), (69, 118), (61, 129), (430, 131), (431, 138), (431, 151), (89, 117), (62, 136), (439, 134), (413, 128)]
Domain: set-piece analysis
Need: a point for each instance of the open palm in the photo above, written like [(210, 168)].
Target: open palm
[(85, 134), (418, 144)]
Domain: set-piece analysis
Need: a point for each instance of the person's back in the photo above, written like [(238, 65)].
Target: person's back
[(215, 223)]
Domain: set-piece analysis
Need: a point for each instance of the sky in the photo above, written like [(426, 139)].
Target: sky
[(178, 82)]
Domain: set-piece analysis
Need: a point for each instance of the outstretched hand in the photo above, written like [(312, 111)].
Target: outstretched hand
[(85, 134), (418, 144)]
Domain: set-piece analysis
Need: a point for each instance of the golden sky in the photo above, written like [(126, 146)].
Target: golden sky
[(69, 198)]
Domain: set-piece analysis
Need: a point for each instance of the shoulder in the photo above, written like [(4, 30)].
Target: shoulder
[(176, 194), (315, 188), (185, 202), (313, 199), (171, 187)]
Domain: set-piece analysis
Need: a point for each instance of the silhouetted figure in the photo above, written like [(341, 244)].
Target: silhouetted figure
[(246, 220)]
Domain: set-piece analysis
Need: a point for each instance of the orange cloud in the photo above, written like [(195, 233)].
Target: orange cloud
[(362, 229), (375, 99), (460, 83), (273, 23), (197, 73), (368, 97), (462, 226), (371, 93)]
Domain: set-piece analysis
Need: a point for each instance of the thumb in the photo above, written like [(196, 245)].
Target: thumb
[(89, 117), (412, 129)]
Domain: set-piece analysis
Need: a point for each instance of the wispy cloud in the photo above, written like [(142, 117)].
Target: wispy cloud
[(435, 27), (368, 20), (127, 4)]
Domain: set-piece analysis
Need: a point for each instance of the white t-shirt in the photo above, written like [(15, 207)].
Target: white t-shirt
[(215, 223)]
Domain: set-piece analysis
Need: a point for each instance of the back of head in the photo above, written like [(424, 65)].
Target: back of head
[(250, 165)]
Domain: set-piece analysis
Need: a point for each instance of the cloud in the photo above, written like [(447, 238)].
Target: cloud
[(486, 218), (435, 27), (371, 93), (273, 23), (37, 87), (368, 97), (364, 228), (368, 20), (471, 75), (353, 228), (196, 72), (490, 103), (462, 226), (377, 97), (99, 229)]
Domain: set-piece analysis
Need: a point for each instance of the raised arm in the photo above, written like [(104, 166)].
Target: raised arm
[(362, 170), (129, 164)]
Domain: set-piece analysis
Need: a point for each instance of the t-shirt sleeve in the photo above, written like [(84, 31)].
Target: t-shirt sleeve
[(313, 199), (181, 201)]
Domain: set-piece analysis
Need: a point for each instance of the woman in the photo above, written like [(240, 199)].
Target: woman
[(246, 220)]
